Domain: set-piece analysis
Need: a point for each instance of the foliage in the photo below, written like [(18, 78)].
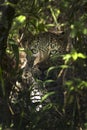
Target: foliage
[(65, 108)]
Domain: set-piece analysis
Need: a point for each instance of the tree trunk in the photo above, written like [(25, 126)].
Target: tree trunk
[(7, 12)]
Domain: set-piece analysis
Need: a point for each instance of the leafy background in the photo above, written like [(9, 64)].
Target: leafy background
[(68, 111)]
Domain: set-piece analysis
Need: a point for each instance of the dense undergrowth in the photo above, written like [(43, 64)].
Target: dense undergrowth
[(62, 86)]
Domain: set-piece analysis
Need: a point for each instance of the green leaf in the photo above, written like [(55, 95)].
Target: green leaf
[(48, 81), (82, 85), (85, 31), (47, 107), (64, 66), (55, 14), (21, 19), (73, 33), (51, 68), (75, 56), (47, 95), (80, 55), (67, 57)]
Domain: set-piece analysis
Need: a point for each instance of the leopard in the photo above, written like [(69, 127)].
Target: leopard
[(46, 47), (44, 51)]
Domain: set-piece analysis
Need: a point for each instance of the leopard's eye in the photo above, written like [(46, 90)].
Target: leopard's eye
[(34, 50)]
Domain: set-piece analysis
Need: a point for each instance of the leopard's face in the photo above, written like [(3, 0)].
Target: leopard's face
[(47, 45)]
